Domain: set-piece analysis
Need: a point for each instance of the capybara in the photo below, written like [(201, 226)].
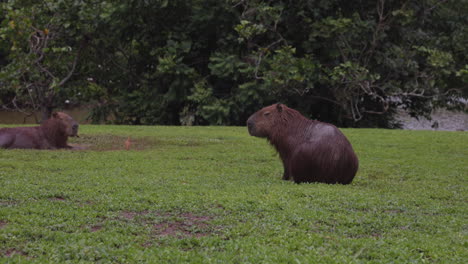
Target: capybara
[(52, 134), (311, 151)]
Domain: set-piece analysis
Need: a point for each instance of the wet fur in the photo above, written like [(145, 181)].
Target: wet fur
[(52, 134), (311, 151)]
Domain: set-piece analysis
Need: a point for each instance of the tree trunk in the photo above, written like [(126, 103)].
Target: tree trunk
[(46, 112)]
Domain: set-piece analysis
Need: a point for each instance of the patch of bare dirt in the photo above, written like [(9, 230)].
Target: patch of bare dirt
[(394, 211), (107, 142), (2, 224), (186, 225), (57, 198), (131, 215), (168, 224), (96, 228), (13, 251)]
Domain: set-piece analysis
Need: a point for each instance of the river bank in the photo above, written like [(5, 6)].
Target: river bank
[(441, 119)]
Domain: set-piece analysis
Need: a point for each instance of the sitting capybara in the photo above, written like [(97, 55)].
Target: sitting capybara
[(52, 134), (311, 151)]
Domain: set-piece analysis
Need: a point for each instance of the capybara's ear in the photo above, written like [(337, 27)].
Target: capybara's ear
[(54, 114), (279, 107)]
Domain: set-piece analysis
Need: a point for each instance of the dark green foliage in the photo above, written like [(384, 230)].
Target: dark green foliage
[(215, 62)]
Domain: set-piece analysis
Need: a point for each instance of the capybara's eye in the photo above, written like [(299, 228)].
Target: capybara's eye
[(266, 114)]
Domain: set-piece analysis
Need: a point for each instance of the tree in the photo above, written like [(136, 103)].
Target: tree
[(44, 51), (353, 63), (155, 53)]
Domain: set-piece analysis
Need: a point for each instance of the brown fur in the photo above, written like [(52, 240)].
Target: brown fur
[(52, 134), (311, 151)]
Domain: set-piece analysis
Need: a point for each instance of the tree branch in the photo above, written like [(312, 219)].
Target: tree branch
[(72, 70)]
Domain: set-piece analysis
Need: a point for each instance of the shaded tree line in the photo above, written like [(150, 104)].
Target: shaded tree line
[(353, 63)]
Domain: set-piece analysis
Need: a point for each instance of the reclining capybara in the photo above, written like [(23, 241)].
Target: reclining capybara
[(311, 151), (52, 134)]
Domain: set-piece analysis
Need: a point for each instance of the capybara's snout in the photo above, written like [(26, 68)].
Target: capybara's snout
[(251, 126), (75, 129)]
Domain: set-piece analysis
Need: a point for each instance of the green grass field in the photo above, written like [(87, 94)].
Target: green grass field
[(215, 195)]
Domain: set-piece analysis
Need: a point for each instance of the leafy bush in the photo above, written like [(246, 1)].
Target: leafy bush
[(215, 62)]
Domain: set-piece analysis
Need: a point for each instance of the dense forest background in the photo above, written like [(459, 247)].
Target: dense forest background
[(214, 62)]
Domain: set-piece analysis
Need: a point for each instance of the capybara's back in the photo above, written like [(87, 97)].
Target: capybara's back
[(323, 154), (311, 151)]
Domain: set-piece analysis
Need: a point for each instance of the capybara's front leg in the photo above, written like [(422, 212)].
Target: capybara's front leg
[(286, 175)]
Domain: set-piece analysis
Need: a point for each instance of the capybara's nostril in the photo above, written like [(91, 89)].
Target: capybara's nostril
[(250, 124), (75, 130)]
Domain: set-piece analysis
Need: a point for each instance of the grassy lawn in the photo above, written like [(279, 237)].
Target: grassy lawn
[(215, 195)]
